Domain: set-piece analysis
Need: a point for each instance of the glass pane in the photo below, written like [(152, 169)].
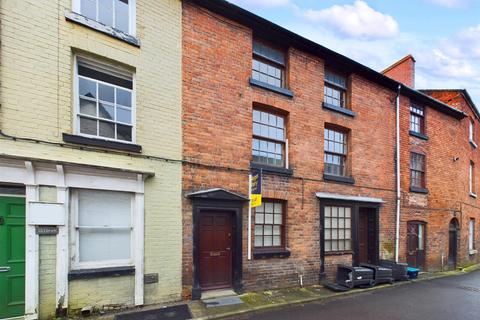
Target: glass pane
[(334, 246), (87, 88), (347, 212), (106, 111), (256, 115), (328, 234), (102, 245), (267, 230), (258, 241), (328, 212), (269, 219), (107, 129), (88, 8), (258, 230), (267, 241), (106, 93), (104, 208), (277, 219), (277, 241), (105, 12), (348, 245), (276, 230), (124, 97), (278, 207), (88, 126), (259, 218), (88, 107), (328, 245), (121, 15), (124, 115), (269, 207), (124, 132)]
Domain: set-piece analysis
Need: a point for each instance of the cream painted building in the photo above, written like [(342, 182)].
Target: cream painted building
[(90, 155)]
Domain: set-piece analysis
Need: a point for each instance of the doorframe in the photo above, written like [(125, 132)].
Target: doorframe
[(456, 223), (355, 205), (218, 201)]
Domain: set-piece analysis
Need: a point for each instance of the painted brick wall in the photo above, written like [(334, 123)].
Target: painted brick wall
[(48, 260), (37, 49), (217, 132)]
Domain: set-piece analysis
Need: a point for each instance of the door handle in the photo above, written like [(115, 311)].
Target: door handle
[(2, 221), (5, 269), (228, 249)]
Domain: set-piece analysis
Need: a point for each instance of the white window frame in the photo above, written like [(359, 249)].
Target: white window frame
[(470, 179), (75, 239), (132, 13), (471, 133), (471, 235), (76, 99)]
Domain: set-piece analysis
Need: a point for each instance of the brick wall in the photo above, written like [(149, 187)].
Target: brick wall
[(217, 133), (37, 49)]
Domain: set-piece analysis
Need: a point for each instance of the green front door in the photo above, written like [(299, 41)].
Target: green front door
[(12, 257)]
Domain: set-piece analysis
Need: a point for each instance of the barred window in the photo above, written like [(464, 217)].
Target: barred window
[(335, 89), (269, 225), (268, 139), (417, 170), (337, 228), (268, 65), (335, 146), (417, 119)]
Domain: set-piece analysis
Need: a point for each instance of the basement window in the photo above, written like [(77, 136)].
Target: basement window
[(119, 14)]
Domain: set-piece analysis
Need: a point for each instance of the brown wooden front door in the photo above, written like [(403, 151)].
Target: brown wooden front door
[(216, 231), (416, 244), (363, 238)]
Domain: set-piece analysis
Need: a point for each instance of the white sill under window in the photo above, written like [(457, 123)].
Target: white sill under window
[(472, 252)]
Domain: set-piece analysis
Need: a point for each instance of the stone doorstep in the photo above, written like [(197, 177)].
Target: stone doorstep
[(200, 312)]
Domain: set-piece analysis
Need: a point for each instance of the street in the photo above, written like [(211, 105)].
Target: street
[(448, 298)]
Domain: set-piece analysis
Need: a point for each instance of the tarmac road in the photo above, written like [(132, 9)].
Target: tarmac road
[(450, 298)]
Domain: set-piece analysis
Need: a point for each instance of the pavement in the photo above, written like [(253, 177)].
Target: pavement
[(440, 298)]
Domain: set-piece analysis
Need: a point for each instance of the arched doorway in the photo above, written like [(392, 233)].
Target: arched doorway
[(452, 243)]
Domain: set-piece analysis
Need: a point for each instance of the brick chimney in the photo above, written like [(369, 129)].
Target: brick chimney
[(403, 71)]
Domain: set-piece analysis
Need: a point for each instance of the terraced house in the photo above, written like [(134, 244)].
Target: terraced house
[(357, 165), (90, 151)]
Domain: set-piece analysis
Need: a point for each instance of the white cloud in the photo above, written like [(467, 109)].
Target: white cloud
[(262, 3), (465, 45), (451, 3), (355, 21)]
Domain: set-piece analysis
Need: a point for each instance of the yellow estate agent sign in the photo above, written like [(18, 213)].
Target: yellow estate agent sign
[(256, 192)]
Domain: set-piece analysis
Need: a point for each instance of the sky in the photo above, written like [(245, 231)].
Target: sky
[(442, 35)]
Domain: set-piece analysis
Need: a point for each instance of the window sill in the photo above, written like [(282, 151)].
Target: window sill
[(473, 195), (100, 273), (282, 253), (338, 253), (418, 190), (74, 139), (270, 169), (472, 252), (473, 144), (269, 87), (344, 111), (95, 25), (347, 180), (418, 135)]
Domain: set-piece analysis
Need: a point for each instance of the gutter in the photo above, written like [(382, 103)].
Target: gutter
[(397, 172)]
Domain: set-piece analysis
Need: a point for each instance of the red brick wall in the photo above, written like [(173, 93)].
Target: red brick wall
[(448, 153), (217, 131), (403, 71)]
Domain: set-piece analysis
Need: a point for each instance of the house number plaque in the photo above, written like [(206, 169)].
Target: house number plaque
[(47, 230)]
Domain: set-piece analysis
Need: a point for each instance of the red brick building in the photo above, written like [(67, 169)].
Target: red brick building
[(322, 128)]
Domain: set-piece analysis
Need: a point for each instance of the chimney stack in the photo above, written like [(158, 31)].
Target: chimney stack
[(402, 71)]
